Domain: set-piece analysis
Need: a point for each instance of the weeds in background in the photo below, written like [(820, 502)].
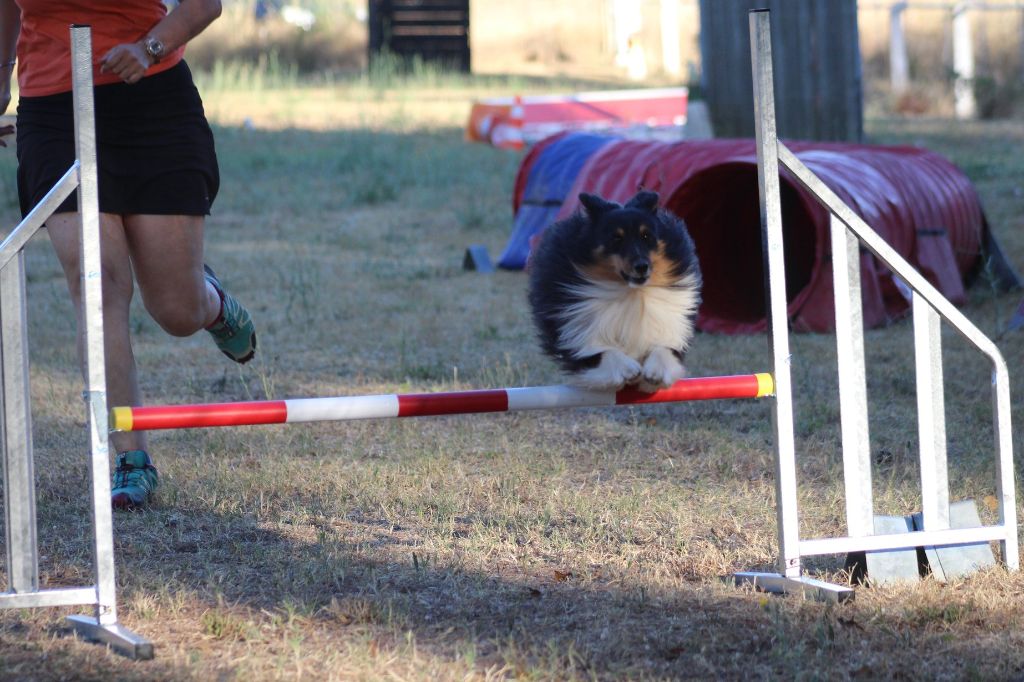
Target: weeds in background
[(266, 73)]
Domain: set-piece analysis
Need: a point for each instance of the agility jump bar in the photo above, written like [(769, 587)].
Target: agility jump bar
[(428, 404)]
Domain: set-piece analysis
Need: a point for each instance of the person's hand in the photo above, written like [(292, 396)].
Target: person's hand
[(4, 131), (127, 61)]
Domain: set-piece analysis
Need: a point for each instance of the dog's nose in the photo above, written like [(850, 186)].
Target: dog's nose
[(641, 268)]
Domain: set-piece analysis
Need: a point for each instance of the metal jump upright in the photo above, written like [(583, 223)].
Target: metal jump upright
[(848, 232), (19, 482)]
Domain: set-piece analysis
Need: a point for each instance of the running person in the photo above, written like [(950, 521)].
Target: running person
[(158, 177)]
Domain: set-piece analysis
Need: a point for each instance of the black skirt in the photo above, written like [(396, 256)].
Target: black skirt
[(154, 147)]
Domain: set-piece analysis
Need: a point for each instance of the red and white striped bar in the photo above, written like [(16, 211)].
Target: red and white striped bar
[(427, 404)]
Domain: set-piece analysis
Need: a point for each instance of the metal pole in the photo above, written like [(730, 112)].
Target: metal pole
[(920, 538), (19, 477), (853, 392), (27, 228), (931, 415), (104, 626), (1006, 489), (92, 316), (778, 322)]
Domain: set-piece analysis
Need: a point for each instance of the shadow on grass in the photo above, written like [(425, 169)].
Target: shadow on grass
[(216, 592)]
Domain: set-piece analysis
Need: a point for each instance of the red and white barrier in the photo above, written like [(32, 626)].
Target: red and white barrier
[(538, 116), (427, 404)]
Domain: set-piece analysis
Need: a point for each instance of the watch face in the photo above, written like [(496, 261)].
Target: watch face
[(154, 47)]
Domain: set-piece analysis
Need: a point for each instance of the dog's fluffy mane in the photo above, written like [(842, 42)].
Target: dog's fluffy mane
[(582, 307)]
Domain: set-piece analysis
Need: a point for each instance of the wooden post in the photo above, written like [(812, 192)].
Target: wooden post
[(964, 104), (670, 60), (1020, 46), (899, 68), (819, 94)]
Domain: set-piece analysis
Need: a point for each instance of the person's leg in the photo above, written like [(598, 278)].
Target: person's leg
[(122, 382), (167, 253), (135, 477), (181, 294)]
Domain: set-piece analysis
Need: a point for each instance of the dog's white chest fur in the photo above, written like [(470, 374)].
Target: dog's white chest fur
[(633, 320)]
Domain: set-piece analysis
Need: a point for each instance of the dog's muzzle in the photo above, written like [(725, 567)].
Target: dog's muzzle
[(638, 274)]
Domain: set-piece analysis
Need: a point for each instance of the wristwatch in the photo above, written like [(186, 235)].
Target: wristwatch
[(154, 48)]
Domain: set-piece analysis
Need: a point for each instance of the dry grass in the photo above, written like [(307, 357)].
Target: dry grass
[(563, 545)]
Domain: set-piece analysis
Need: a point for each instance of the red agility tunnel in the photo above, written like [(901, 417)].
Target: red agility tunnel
[(915, 199), (393, 405)]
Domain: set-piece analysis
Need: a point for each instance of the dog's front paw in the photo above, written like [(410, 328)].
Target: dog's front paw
[(661, 369), (615, 370)]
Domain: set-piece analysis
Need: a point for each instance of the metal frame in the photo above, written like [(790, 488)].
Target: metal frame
[(19, 480), (929, 308)]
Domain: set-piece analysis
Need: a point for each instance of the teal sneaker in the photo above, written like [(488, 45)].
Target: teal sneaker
[(233, 330), (135, 479)]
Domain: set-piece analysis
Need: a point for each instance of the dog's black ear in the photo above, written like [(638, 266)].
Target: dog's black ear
[(596, 206), (645, 200)]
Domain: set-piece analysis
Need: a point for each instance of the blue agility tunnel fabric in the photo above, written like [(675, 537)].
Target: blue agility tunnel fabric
[(551, 173)]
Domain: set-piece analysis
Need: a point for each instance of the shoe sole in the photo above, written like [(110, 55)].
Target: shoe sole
[(124, 502)]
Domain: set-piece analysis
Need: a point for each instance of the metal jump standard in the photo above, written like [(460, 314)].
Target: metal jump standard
[(23, 589), (929, 307)]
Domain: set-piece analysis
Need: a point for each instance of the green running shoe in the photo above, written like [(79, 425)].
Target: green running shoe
[(135, 479), (233, 330)]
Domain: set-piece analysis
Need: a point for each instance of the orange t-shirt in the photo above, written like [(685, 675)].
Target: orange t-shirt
[(44, 45)]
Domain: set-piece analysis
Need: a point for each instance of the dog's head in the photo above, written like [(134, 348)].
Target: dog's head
[(625, 241)]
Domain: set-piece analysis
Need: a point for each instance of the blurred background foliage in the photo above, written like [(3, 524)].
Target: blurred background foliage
[(316, 40)]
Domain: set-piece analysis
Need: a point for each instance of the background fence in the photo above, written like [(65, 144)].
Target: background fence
[(980, 50)]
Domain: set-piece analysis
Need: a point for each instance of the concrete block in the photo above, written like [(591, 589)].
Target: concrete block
[(955, 561), (886, 566)]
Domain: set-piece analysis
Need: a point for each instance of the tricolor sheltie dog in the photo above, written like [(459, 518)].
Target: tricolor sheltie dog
[(614, 292)]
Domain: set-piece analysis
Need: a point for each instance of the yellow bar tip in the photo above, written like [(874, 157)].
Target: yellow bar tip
[(765, 385), (121, 419)]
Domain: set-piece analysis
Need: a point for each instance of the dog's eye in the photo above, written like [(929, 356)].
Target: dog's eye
[(647, 237)]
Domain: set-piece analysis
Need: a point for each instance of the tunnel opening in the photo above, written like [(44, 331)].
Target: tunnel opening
[(721, 208)]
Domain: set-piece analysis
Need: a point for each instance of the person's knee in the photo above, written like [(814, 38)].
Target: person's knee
[(177, 318), (118, 290), (117, 286)]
